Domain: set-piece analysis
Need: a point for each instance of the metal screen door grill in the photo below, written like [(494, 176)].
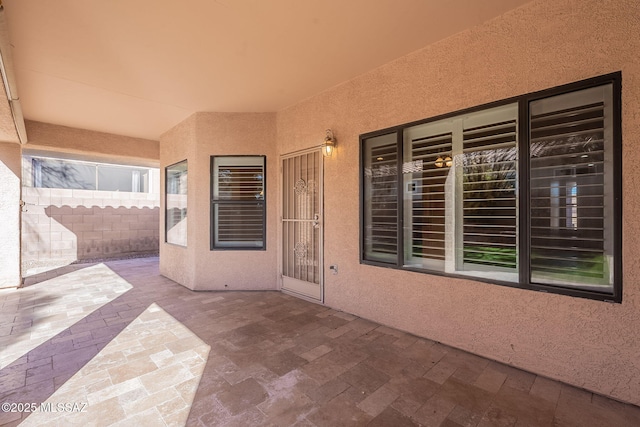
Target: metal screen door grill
[(302, 224)]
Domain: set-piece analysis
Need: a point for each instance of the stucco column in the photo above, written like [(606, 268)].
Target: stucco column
[(10, 215)]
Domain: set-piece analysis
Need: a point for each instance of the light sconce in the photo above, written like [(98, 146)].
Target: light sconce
[(440, 162), (329, 145)]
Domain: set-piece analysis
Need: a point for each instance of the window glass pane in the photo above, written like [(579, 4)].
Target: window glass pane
[(461, 193), (460, 181), (53, 173), (572, 190), (487, 197), (114, 178), (381, 198), (238, 202), (85, 175), (428, 194), (239, 182), (239, 224), (176, 204)]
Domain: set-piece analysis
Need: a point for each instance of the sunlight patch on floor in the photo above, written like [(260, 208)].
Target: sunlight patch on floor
[(44, 310), (147, 375)]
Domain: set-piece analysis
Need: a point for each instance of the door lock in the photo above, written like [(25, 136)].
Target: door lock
[(316, 221)]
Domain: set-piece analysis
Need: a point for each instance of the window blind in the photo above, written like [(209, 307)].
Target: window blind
[(489, 194), (238, 202), (568, 219), (428, 195), (381, 198)]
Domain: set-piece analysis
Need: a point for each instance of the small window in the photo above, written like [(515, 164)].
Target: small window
[(176, 204), (238, 208)]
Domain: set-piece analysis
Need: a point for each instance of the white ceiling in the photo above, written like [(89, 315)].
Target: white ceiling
[(138, 67)]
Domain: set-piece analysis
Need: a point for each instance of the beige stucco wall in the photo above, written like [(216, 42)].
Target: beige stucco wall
[(591, 344), (176, 145), (197, 139), (10, 173), (235, 134), (99, 145), (8, 131)]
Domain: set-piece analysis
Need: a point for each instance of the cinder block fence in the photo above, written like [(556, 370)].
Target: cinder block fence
[(60, 226)]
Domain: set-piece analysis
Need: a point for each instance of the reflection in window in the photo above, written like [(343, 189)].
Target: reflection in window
[(381, 198), (176, 204), (572, 205), (49, 172), (460, 180), (572, 189), (55, 173)]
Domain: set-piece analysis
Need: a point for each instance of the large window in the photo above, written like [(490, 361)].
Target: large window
[(238, 202), (176, 204), (524, 192)]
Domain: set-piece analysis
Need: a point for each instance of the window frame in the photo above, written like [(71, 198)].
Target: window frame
[(523, 193), (36, 174), (213, 203), (166, 193)]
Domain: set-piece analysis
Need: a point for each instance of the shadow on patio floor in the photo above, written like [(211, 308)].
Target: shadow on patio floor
[(133, 346)]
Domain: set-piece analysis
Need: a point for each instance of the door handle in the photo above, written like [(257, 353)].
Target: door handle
[(316, 221)]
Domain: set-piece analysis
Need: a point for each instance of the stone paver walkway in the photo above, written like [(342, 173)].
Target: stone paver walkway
[(118, 344)]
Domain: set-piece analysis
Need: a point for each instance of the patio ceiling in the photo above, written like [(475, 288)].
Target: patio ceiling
[(138, 67)]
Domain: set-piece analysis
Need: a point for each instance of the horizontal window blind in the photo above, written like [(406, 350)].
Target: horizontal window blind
[(240, 222), (238, 202), (489, 194), (240, 183), (526, 192), (381, 193), (569, 224), (427, 188)]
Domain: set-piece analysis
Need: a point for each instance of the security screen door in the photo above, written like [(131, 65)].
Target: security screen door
[(302, 225)]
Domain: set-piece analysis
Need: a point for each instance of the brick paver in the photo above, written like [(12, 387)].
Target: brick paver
[(130, 347)]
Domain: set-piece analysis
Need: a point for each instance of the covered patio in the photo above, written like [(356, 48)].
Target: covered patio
[(117, 343), (416, 215)]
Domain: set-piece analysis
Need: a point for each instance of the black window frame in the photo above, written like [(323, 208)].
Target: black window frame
[(524, 217), (166, 198), (213, 202)]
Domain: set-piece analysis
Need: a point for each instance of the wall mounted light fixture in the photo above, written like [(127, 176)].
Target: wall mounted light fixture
[(440, 162), (329, 145)]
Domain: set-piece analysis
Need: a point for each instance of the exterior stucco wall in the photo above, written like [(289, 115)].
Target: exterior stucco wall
[(104, 146), (10, 173), (591, 344), (8, 131), (197, 139), (235, 134), (178, 144)]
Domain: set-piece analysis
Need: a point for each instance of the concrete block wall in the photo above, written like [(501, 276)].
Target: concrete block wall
[(60, 226)]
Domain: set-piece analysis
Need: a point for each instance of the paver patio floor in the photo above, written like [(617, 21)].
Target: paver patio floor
[(117, 344)]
